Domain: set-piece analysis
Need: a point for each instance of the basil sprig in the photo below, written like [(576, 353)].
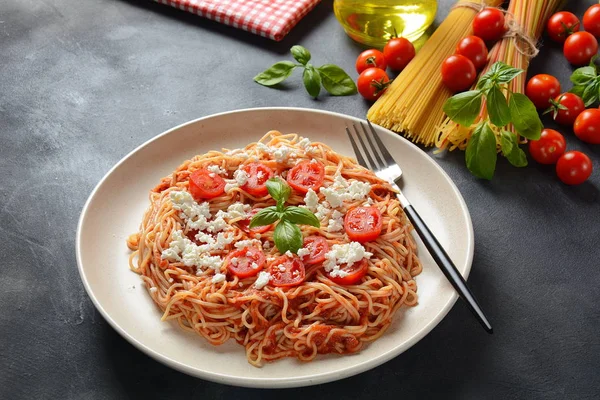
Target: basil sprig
[(287, 235), (482, 149), (586, 83), (334, 79)]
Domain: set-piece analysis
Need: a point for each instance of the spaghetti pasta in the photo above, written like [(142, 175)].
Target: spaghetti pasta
[(182, 250), (413, 104)]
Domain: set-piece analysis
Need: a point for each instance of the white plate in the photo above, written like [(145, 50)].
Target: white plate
[(114, 211)]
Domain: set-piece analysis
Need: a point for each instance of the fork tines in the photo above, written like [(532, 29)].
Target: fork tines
[(377, 156)]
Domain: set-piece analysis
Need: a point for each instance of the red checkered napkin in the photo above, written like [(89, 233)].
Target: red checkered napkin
[(268, 18)]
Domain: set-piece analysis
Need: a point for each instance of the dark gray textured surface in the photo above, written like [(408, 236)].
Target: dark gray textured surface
[(84, 82)]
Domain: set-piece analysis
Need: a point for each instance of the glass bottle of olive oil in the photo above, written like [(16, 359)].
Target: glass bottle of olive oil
[(374, 22)]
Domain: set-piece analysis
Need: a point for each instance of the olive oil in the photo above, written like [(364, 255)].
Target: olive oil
[(373, 22)]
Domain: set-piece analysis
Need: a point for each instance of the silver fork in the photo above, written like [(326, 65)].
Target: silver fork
[(380, 161)]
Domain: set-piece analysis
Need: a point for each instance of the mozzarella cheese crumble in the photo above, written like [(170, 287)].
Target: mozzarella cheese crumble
[(341, 254), (262, 280)]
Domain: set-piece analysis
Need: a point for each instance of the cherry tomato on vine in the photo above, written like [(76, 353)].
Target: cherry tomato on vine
[(580, 47), (398, 52), (566, 107), (548, 149), (573, 168), (372, 83), (458, 73), (587, 126), (489, 24), (371, 58), (474, 48), (591, 20), (561, 25), (541, 88)]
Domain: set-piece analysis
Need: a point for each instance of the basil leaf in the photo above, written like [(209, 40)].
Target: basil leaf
[(287, 236), (590, 94), (301, 54), (312, 80), (497, 107), (275, 74), (299, 215), (279, 190), (578, 90), (464, 107), (508, 74), (480, 155), (511, 150), (266, 216), (524, 116), (336, 81), (583, 75)]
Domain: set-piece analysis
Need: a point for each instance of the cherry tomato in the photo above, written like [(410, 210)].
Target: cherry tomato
[(580, 47), (318, 247), (474, 48), (541, 88), (355, 273), (287, 271), (489, 24), (587, 126), (548, 149), (363, 224), (561, 25), (243, 224), (245, 262), (206, 185), (566, 107), (458, 73), (372, 83), (258, 175), (398, 52), (573, 168), (591, 20), (371, 58), (306, 175)]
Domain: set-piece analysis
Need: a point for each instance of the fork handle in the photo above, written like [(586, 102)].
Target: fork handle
[(447, 266)]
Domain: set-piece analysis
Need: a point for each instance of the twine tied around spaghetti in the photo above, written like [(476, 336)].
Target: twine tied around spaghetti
[(524, 43)]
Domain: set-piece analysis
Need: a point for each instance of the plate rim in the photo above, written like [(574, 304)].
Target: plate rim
[(272, 382)]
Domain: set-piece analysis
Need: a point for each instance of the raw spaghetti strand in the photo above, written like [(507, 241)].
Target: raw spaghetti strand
[(413, 104), (315, 317)]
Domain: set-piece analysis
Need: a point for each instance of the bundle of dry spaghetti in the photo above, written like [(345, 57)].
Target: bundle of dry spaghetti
[(413, 104), (526, 20)]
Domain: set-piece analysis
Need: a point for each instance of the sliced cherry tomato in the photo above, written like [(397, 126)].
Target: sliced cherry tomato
[(318, 247), (549, 148), (244, 224), (372, 82), (541, 88), (245, 262), (355, 273), (287, 271), (363, 224), (591, 20), (561, 25), (573, 168), (258, 175), (489, 24), (566, 107), (371, 58), (580, 47), (398, 52), (206, 185), (474, 48), (458, 73), (587, 126), (306, 175)]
